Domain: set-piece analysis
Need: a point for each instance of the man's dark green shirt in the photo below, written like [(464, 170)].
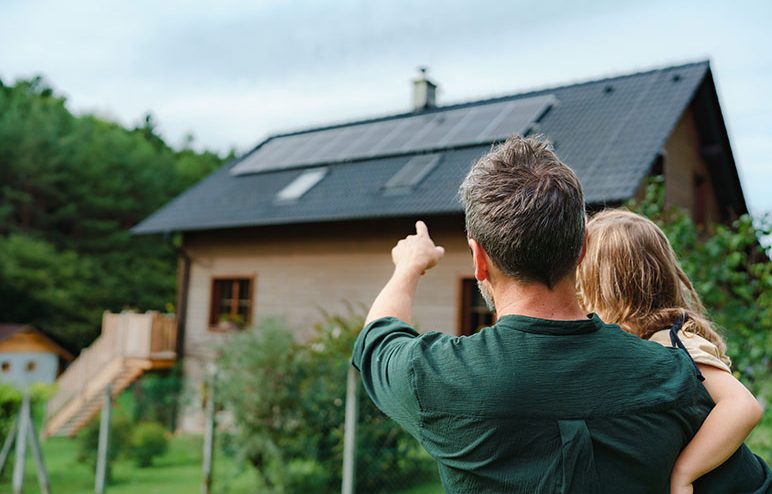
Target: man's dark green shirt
[(537, 406)]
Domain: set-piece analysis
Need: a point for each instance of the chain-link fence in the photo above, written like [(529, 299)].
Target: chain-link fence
[(379, 456)]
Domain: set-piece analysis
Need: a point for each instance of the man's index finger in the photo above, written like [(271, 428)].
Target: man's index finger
[(420, 228)]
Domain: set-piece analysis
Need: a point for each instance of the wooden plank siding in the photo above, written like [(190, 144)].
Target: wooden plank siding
[(301, 271), (683, 163)]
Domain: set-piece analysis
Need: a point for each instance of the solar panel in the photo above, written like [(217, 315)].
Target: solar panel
[(520, 115), (470, 125), (373, 135), (334, 141), (435, 130), (393, 142), (411, 174)]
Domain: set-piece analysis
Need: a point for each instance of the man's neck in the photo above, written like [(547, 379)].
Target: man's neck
[(536, 300)]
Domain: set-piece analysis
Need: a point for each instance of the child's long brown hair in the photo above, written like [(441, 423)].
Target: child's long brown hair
[(630, 276)]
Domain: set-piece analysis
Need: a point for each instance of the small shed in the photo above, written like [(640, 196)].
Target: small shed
[(28, 355)]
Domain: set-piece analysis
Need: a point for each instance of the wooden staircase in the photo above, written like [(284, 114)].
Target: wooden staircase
[(130, 345)]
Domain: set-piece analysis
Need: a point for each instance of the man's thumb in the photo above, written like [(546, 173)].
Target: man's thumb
[(440, 251)]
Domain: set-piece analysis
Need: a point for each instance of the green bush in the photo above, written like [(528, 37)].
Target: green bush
[(10, 402), (120, 436), (304, 475), (288, 402), (148, 441), (156, 397)]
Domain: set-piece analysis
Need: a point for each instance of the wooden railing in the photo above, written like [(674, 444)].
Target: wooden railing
[(126, 335)]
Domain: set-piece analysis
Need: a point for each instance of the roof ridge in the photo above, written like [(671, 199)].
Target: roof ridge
[(487, 100)]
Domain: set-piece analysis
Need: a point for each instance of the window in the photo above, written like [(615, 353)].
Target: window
[(6, 367), (31, 365), (411, 174), (474, 312), (231, 306), (302, 184)]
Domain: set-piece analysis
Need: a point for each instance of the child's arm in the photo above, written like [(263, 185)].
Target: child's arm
[(736, 413)]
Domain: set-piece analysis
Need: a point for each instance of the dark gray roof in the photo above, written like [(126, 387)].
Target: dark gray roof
[(609, 131)]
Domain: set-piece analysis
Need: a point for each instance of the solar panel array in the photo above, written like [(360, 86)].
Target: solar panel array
[(470, 125)]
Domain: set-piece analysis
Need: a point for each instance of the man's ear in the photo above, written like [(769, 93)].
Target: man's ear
[(480, 259), (584, 250)]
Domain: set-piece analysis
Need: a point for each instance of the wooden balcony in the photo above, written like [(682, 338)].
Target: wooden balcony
[(130, 345)]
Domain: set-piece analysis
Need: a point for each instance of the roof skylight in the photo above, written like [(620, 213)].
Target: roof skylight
[(302, 184), (410, 175)]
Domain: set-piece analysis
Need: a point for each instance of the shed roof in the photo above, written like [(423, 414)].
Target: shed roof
[(609, 131), (8, 330)]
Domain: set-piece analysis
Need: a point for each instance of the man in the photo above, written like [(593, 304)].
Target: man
[(548, 399)]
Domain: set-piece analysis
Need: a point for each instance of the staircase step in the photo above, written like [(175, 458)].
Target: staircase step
[(124, 377)]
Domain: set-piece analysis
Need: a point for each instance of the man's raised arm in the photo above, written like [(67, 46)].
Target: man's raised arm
[(412, 256), (383, 350)]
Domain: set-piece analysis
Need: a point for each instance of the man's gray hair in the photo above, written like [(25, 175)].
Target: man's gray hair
[(526, 209)]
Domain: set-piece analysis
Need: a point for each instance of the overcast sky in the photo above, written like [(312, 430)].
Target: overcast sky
[(230, 72)]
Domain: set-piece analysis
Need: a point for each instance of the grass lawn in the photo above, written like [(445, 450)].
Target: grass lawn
[(179, 471)]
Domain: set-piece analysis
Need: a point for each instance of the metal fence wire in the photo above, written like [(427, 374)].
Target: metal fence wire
[(379, 456)]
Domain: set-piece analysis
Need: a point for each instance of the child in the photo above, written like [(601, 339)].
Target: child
[(630, 276)]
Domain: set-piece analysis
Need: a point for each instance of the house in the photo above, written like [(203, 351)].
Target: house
[(305, 221), (29, 356)]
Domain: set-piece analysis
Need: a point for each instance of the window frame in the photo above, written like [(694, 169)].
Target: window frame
[(215, 324)]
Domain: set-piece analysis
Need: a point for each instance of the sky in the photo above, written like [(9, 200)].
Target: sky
[(231, 72)]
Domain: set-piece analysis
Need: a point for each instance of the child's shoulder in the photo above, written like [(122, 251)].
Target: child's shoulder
[(701, 350)]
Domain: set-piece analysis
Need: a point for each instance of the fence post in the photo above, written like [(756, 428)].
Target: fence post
[(37, 454), (21, 445), (206, 485), (104, 442), (350, 432), (7, 445)]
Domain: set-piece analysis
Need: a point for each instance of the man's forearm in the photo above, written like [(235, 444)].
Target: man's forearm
[(396, 298)]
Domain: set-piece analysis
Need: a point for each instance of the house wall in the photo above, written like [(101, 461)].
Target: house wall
[(304, 270), (683, 164), (15, 367)]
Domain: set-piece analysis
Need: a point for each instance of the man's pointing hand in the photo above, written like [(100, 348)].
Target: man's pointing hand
[(417, 253)]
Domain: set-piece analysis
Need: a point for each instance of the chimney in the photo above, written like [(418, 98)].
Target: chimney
[(424, 91)]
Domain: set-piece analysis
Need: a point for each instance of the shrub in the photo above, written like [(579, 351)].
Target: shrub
[(88, 441), (10, 402), (148, 441), (288, 403), (156, 397)]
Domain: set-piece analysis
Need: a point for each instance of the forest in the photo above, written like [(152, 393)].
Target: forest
[(71, 187)]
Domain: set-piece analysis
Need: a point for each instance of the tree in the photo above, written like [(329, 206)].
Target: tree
[(71, 188)]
